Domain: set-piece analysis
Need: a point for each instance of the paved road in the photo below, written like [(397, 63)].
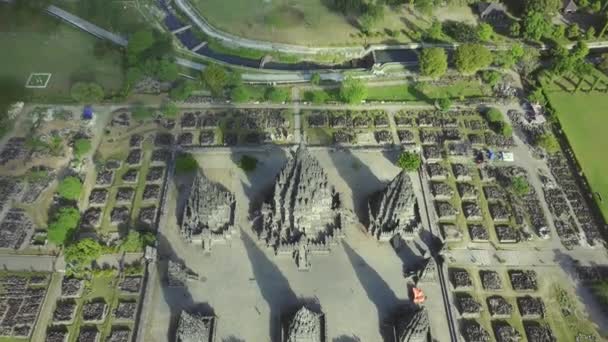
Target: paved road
[(43, 263)]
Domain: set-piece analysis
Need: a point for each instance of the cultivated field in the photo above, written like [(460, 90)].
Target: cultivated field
[(583, 118)]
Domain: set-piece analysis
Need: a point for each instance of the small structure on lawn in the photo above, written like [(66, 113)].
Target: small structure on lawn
[(87, 113)]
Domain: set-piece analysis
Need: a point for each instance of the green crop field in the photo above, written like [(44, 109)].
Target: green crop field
[(42, 44), (584, 119)]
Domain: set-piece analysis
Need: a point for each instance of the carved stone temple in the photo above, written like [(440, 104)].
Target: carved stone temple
[(393, 211), (208, 216)]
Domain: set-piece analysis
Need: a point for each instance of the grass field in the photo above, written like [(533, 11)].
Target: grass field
[(310, 22), (43, 44), (425, 92), (584, 118), (121, 17)]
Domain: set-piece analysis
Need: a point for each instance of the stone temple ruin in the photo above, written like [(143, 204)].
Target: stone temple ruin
[(414, 328), (195, 328), (208, 216), (304, 214), (305, 326), (392, 212)]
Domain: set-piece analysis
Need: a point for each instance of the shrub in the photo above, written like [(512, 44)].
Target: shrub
[(240, 94), (63, 225), (185, 163), (409, 161), (316, 96), (248, 163), (136, 241), (70, 188), (81, 254), (520, 186), (444, 103), (169, 109), (548, 142), (81, 147), (353, 91), (276, 95)]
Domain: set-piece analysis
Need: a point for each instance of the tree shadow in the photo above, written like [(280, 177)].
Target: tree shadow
[(273, 285), (377, 290)]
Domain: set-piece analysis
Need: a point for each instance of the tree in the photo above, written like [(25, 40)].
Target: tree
[(485, 32), (182, 91), (596, 6), (185, 163), (605, 27), (537, 96), (520, 186), (70, 188), (559, 32), (166, 70), (409, 161), (215, 78), (81, 147), (536, 26), (515, 29), (81, 254), (62, 225), (543, 6), (248, 163), (491, 77), (353, 91), (240, 94), (444, 104), (316, 96), (276, 94), (424, 6), (169, 109), (573, 32), (548, 142), (139, 42), (87, 93), (315, 78), (494, 115), (136, 241), (435, 31), (433, 62), (472, 57), (590, 34)]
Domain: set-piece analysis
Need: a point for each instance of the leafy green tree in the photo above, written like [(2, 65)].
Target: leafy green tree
[(70, 188), (353, 91), (81, 254), (139, 42), (520, 186), (559, 32), (215, 78), (136, 241), (409, 161), (543, 6), (248, 163), (276, 94), (596, 6), (573, 32), (182, 90), (166, 70), (87, 93), (494, 115), (81, 147), (515, 29), (536, 26), (240, 94), (62, 225), (435, 31), (548, 142), (537, 96), (185, 163), (506, 129), (169, 109), (472, 57), (590, 34), (444, 104), (315, 78), (485, 32), (433, 62), (491, 77), (316, 96)]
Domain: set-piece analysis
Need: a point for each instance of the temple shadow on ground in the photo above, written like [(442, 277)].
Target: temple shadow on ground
[(177, 298), (377, 290), (345, 338), (354, 172), (273, 285)]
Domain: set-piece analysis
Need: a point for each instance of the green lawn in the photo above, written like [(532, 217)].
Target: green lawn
[(584, 118), (42, 44), (121, 17), (304, 22), (425, 92)]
